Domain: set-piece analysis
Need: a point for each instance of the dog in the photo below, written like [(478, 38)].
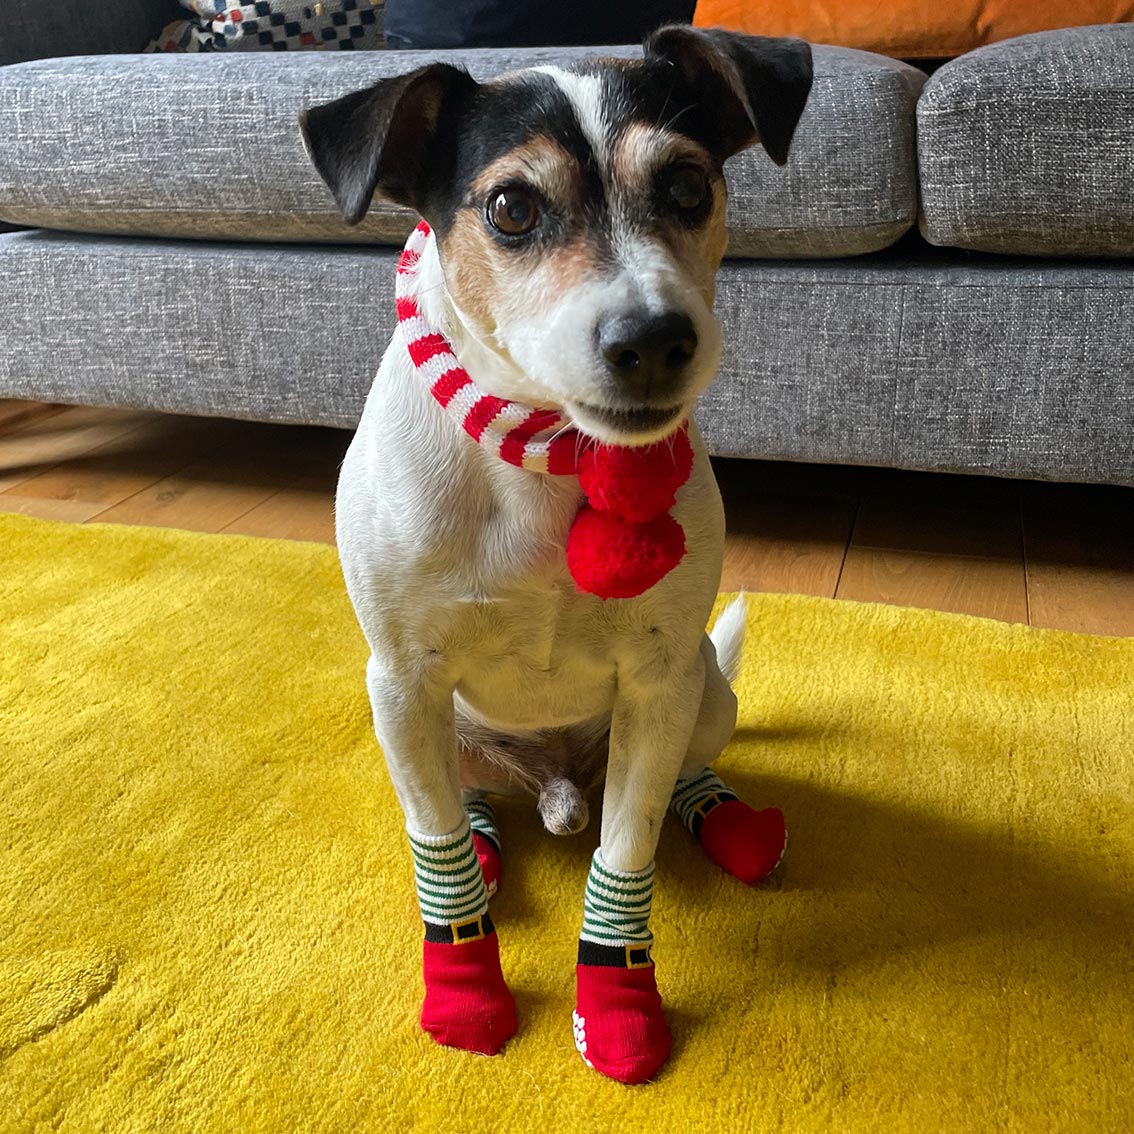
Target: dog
[(575, 222)]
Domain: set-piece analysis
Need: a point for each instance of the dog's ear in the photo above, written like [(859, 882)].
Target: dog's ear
[(379, 139), (754, 86)]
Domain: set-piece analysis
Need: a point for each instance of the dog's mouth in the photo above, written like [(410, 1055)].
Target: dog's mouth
[(642, 423)]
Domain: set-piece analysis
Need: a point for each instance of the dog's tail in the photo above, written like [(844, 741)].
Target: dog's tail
[(727, 636)]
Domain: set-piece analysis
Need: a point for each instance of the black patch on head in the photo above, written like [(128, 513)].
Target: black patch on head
[(383, 138), (499, 118), (755, 87), (423, 139)]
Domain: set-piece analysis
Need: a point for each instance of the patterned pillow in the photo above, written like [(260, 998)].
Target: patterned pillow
[(275, 25)]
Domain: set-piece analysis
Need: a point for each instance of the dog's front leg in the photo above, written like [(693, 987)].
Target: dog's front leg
[(619, 1026), (467, 1004)]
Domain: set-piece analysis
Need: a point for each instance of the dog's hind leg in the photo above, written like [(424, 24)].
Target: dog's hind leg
[(485, 837), (749, 844), (467, 1004)]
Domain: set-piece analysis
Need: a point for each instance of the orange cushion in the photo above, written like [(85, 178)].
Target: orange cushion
[(908, 29)]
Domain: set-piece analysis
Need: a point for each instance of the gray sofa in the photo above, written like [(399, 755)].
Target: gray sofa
[(940, 278)]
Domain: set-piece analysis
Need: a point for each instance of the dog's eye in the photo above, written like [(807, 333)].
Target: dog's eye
[(687, 187), (513, 211)]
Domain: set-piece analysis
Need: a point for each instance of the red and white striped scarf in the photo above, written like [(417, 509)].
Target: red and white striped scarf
[(540, 440), (623, 539)]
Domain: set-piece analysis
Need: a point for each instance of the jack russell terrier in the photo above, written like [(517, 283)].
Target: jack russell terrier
[(529, 525)]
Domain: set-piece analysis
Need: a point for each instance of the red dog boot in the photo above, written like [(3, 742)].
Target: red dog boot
[(486, 840), (489, 857), (618, 1022), (467, 1004), (749, 844)]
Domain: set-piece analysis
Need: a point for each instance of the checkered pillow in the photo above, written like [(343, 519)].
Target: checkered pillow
[(275, 25)]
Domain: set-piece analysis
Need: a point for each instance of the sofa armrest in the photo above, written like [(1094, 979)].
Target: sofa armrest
[(43, 29)]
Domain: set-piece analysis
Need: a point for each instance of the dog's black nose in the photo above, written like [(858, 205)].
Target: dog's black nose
[(647, 354)]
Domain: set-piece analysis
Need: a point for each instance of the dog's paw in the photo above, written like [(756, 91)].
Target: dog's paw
[(618, 1025), (467, 1004), (749, 844)]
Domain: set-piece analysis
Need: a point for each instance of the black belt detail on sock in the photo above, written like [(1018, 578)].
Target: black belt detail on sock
[(632, 956), (698, 817), (488, 837), (454, 933)]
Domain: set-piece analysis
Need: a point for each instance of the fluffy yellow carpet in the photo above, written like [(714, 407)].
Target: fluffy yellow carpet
[(207, 916)]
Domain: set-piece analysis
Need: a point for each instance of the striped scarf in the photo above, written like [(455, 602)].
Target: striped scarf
[(623, 539)]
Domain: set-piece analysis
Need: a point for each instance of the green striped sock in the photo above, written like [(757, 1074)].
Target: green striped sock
[(450, 885), (482, 819), (695, 797), (616, 909)]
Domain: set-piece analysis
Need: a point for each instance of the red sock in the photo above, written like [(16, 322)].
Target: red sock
[(489, 858), (749, 844), (619, 1026), (467, 1004)]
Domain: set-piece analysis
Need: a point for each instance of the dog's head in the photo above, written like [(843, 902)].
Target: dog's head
[(579, 212)]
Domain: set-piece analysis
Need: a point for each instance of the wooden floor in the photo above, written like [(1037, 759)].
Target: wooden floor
[(1050, 555)]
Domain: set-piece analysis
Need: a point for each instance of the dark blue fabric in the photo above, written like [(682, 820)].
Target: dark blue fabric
[(527, 23), (43, 29)]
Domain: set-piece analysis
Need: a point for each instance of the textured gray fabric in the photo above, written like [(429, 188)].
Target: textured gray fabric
[(208, 147), (1027, 146), (1019, 368), (41, 29)]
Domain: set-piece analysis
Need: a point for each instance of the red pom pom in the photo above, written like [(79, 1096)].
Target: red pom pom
[(637, 483), (613, 558)]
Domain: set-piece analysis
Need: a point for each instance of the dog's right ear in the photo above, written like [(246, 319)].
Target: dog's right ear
[(379, 139)]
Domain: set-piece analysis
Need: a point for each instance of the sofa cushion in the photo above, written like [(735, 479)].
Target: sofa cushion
[(1028, 146), (207, 146), (908, 29)]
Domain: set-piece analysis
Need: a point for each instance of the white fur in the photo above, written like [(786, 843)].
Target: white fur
[(454, 562)]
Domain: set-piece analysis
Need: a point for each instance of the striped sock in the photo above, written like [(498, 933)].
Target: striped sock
[(749, 844), (467, 1004), (695, 797), (486, 840), (450, 886), (482, 819), (618, 1022), (616, 913)]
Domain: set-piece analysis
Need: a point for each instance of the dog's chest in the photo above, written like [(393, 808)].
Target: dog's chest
[(541, 657)]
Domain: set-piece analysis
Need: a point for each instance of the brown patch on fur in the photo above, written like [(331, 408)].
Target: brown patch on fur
[(540, 162), (487, 282), (475, 267), (700, 251), (485, 279), (643, 150), (641, 153)]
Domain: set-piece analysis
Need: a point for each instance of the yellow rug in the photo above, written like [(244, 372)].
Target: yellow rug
[(207, 915)]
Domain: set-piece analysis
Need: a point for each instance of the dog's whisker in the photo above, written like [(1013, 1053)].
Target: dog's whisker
[(684, 110), (567, 425)]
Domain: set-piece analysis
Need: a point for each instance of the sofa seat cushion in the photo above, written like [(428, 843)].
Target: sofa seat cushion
[(207, 146), (912, 358), (1027, 146)]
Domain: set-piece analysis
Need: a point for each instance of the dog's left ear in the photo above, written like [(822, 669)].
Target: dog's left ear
[(381, 139), (754, 86)]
